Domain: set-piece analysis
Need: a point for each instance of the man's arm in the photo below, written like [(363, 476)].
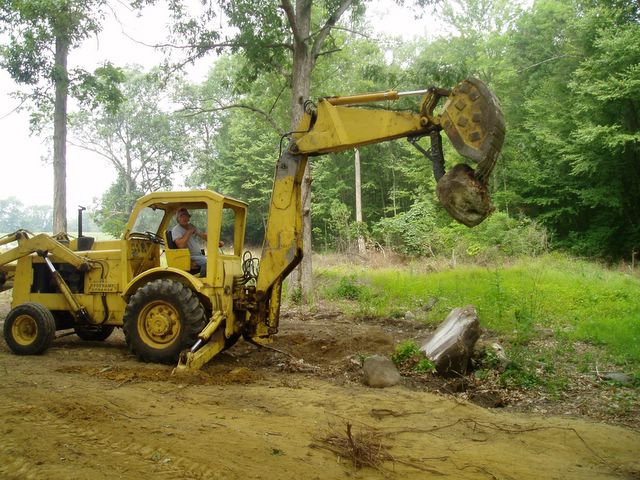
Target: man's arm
[(181, 242)]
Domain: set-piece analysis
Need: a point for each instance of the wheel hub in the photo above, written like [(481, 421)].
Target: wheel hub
[(160, 322), (24, 330)]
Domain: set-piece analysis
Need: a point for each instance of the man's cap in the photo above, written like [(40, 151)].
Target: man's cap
[(182, 211)]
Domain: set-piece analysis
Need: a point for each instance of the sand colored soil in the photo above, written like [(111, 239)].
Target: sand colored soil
[(89, 410)]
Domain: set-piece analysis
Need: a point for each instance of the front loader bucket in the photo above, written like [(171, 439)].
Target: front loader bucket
[(473, 121)]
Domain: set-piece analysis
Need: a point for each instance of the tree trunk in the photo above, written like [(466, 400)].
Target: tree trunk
[(301, 279), (60, 135), (306, 49), (361, 246)]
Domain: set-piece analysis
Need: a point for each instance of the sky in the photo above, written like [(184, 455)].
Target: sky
[(26, 173)]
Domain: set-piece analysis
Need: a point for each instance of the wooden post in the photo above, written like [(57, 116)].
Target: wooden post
[(361, 245)]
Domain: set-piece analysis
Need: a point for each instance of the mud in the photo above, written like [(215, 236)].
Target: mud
[(89, 410)]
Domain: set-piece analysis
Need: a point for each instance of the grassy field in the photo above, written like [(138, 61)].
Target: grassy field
[(574, 302)]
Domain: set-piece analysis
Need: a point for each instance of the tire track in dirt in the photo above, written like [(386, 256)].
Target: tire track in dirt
[(13, 465), (87, 441)]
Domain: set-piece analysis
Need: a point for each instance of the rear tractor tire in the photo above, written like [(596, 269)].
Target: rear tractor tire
[(162, 318), (29, 329)]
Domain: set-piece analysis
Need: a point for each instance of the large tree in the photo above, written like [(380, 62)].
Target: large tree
[(282, 36), (572, 101), (40, 35), (298, 33), (142, 139)]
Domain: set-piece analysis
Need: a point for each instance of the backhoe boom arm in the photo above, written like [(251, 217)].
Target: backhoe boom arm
[(471, 118)]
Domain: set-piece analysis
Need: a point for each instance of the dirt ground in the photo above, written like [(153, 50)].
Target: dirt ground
[(89, 410)]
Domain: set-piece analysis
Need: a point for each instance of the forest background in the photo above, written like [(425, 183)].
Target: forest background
[(567, 75)]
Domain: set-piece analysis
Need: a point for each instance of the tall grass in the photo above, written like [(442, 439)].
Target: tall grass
[(575, 299)]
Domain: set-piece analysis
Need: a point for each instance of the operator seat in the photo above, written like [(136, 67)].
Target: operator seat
[(170, 242), (180, 260)]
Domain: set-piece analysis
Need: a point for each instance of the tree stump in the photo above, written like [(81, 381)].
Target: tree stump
[(450, 348)]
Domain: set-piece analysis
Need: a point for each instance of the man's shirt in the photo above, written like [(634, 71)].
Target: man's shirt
[(193, 244)]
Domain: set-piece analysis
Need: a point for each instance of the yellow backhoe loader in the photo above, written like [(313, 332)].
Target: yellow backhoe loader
[(168, 311)]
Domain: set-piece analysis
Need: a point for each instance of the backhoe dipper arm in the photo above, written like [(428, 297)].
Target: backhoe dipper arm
[(471, 118)]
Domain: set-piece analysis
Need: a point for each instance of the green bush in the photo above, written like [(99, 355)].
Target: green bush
[(413, 232), (404, 351), (409, 357), (421, 232), (425, 365), (498, 235), (348, 288)]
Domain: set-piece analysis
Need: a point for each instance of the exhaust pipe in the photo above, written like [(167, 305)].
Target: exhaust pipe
[(84, 243)]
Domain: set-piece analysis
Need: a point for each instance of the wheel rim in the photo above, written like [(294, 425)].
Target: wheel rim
[(159, 324), (24, 330)]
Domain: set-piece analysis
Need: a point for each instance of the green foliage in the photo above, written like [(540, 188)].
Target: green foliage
[(422, 232), (407, 355), (15, 215), (580, 301), (425, 365), (404, 351), (520, 377), (101, 89), (571, 111), (295, 296), (348, 288), (530, 368), (413, 232), (233, 142), (115, 206), (241, 165), (145, 143), (32, 29)]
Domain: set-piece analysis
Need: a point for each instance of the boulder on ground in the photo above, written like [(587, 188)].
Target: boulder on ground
[(618, 377), (380, 372)]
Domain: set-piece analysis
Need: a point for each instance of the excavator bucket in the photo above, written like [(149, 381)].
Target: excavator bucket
[(473, 121)]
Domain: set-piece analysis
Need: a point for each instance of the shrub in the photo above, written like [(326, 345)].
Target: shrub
[(348, 288), (499, 234), (404, 352), (409, 357), (420, 231), (413, 232)]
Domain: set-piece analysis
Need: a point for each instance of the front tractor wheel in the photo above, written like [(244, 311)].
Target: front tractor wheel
[(162, 318), (29, 329)]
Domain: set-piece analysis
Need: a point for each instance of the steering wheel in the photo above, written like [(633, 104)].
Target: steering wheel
[(154, 237)]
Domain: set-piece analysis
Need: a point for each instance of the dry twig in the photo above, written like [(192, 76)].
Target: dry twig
[(364, 449)]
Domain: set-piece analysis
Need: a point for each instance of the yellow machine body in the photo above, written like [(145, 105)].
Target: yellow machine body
[(98, 283)]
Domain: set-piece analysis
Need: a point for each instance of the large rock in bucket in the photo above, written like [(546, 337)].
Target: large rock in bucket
[(463, 197), (451, 346)]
